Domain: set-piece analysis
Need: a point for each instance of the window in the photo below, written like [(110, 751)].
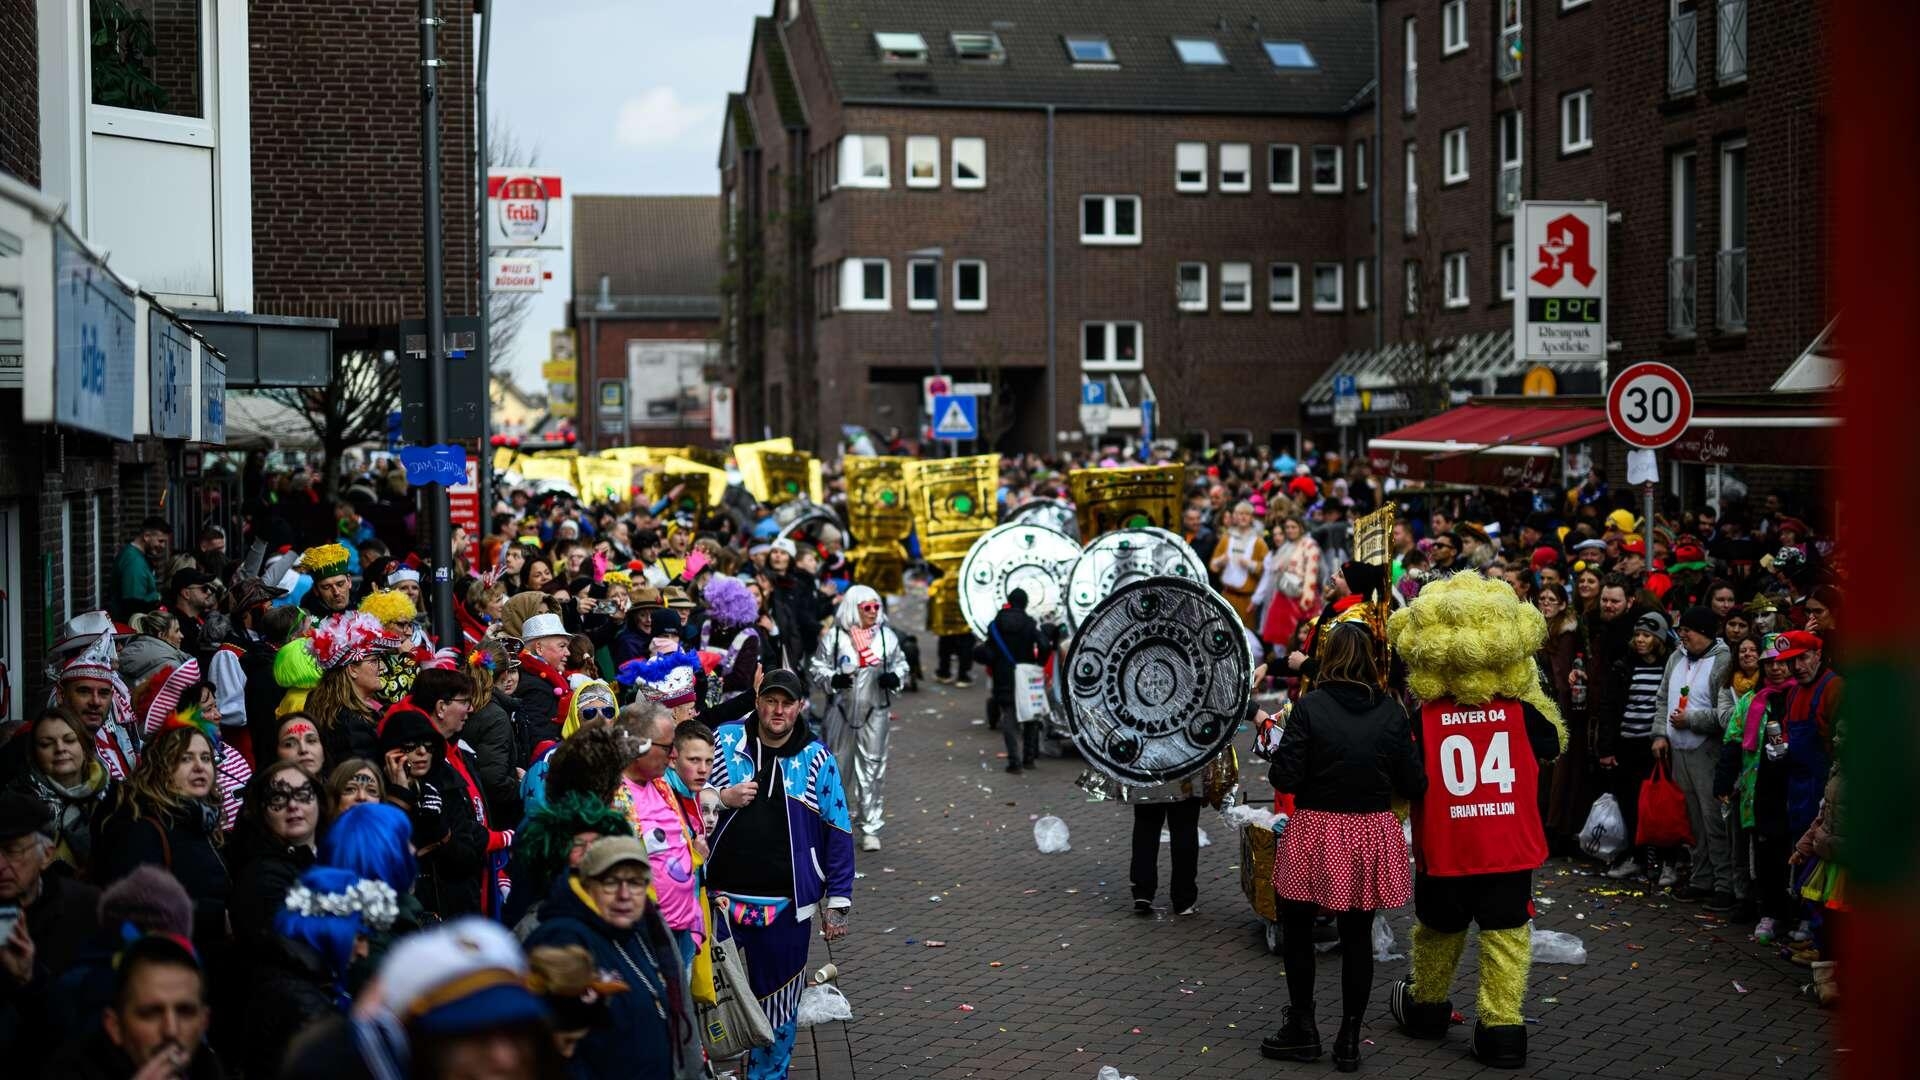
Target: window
[(1453, 156), (1199, 52), (1362, 284), (161, 69), (1730, 45), (1453, 27), (923, 284), (1326, 286), (1110, 346), (1360, 165), (1288, 54), (1236, 167), (1454, 270), (901, 48), (1413, 191), (1508, 196), (1410, 81), (970, 163), (1576, 121), (863, 161), (923, 161), (1190, 166), (1089, 50), (1682, 268), (864, 285), (1283, 287), (1283, 167), (1236, 286), (1732, 271), (1413, 286), (1191, 282), (1506, 271), (1506, 58), (1110, 219), (969, 285), (979, 46), (1326, 168)]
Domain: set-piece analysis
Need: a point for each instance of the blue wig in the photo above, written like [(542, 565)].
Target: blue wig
[(657, 669), (332, 936), (373, 841)]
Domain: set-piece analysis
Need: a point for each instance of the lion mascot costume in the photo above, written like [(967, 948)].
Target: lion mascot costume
[(1484, 727)]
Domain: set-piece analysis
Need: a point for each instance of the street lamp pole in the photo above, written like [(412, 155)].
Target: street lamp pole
[(436, 494)]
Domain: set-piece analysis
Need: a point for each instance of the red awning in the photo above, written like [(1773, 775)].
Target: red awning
[(1485, 444)]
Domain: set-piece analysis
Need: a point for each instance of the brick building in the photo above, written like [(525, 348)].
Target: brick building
[(646, 316), (238, 182)]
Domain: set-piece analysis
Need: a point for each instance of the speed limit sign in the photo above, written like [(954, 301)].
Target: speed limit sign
[(1649, 405)]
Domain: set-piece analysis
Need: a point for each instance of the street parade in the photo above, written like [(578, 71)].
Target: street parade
[(828, 539)]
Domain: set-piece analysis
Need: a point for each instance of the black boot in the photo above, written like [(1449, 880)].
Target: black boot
[(1346, 1045), (1297, 1039), (1417, 1020), (1503, 1046)]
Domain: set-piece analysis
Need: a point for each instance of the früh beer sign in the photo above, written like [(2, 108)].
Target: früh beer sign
[(524, 209)]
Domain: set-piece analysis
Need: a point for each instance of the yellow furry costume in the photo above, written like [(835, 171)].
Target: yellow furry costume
[(1468, 644)]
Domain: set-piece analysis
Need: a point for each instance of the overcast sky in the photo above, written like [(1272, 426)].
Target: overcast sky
[(619, 97)]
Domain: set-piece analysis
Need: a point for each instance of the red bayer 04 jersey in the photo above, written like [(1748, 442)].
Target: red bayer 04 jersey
[(1481, 812)]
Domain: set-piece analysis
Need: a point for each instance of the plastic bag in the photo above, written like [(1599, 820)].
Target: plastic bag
[(1605, 833), (823, 1004), (1050, 835), (1108, 1072), (1029, 693), (1241, 815), (1383, 941), (1554, 947)]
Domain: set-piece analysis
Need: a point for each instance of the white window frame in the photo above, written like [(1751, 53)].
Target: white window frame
[(1453, 155), (901, 46), (916, 303), (960, 302), (1108, 59), (1110, 238), (1727, 150), (1360, 171), (1507, 275), (1362, 284), (1276, 271), (1453, 27), (1206, 52), (1283, 187), (1190, 167), (923, 149), (1196, 299), (1234, 274), (1411, 272), (853, 285), (1512, 126), (1411, 210), (1454, 286), (965, 146), (1410, 78), (1574, 141), (1336, 273), (1236, 158), (1569, 5), (1111, 363), (1339, 158), (852, 159), (1682, 198)]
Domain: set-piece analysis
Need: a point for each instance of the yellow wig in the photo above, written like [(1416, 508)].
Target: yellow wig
[(390, 606), (1471, 639), (324, 561)]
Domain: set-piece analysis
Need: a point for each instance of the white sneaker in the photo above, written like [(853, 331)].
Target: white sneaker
[(1669, 876), (1803, 932), (1628, 869), (869, 842)]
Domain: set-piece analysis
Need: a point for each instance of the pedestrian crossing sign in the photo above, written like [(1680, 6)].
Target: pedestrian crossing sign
[(956, 416)]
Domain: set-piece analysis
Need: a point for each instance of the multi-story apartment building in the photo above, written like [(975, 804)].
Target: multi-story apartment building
[(236, 186), (1222, 211)]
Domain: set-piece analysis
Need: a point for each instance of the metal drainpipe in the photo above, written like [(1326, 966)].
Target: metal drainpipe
[(1379, 204), (484, 468), (1053, 382)]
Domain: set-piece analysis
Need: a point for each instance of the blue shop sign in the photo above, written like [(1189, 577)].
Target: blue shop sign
[(169, 376), (213, 398), (93, 344)]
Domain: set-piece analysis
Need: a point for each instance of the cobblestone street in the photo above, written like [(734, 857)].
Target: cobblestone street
[(975, 955)]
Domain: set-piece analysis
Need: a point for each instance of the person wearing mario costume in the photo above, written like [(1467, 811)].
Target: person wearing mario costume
[(1483, 729)]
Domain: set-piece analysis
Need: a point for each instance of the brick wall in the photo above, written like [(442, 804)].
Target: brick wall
[(19, 92), (338, 228), (603, 355)]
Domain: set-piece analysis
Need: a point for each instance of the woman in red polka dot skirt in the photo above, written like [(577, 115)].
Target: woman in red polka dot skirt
[(1347, 750)]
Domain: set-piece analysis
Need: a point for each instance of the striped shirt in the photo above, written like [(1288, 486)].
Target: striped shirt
[(1643, 701)]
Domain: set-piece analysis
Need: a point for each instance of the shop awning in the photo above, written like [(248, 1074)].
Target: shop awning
[(1484, 444), (1469, 365)]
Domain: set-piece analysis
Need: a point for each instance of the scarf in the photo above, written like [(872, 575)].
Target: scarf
[(863, 645)]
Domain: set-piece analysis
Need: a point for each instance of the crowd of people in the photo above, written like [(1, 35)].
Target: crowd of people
[(268, 822)]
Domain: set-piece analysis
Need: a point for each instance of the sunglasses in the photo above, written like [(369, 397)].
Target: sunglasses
[(869, 607), (597, 712), (412, 747)]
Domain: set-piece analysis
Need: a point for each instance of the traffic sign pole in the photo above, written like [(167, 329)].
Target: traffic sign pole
[(1649, 405)]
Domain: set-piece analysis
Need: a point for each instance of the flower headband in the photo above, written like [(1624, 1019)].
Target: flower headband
[(374, 901), (481, 658)]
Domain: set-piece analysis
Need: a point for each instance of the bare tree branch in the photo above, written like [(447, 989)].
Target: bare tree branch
[(348, 412)]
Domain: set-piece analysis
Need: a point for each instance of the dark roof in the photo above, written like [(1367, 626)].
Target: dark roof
[(766, 39), (660, 253), (1149, 75)]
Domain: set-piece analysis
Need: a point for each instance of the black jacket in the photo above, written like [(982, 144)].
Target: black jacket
[(353, 735), (1021, 635), (451, 842), (94, 1057), (797, 609), (182, 843), (489, 731), (291, 989), (1348, 749), (61, 922), (264, 870)]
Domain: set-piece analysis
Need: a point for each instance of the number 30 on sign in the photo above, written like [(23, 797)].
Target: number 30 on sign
[(1649, 405)]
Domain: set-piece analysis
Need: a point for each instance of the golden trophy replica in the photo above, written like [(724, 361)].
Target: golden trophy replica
[(953, 504), (880, 518), (1127, 498)]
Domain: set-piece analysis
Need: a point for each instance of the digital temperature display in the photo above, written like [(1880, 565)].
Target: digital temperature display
[(1572, 309)]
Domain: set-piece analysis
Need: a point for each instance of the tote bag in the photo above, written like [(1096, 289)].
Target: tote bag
[(1029, 692), (733, 1025), (1663, 812)]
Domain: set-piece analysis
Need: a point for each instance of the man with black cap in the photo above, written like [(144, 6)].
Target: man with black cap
[(190, 598), (46, 917), (782, 851), (1689, 727)]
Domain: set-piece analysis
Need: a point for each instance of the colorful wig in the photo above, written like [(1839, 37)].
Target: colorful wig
[(1472, 639), (375, 841), (730, 604)]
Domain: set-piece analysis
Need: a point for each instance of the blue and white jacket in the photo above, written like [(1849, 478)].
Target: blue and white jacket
[(819, 827)]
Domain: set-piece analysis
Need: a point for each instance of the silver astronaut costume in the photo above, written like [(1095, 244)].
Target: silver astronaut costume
[(859, 719)]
